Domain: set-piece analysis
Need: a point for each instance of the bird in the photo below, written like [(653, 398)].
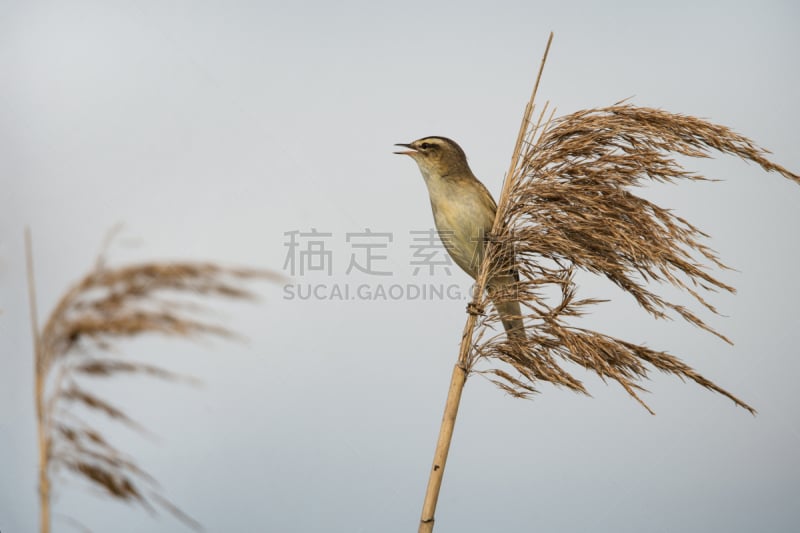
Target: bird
[(464, 212)]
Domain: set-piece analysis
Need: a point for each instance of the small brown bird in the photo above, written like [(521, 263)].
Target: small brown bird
[(463, 210)]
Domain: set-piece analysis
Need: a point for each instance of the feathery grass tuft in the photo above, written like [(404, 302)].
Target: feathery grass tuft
[(77, 342), (571, 204)]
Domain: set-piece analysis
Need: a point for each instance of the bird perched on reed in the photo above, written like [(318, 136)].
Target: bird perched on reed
[(464, 211)]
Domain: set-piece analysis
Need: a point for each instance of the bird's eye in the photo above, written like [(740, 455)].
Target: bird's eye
[(425, 146)]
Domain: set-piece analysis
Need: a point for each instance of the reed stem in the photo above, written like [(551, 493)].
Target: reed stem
[(442, 448), (39, 386)]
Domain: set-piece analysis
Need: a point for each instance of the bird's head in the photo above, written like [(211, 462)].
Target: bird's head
[(436, 156)]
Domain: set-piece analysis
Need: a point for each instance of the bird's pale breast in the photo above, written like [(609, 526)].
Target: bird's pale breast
[(463, 216)]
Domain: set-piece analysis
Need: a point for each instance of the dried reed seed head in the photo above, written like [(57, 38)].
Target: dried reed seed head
[(570, 205), (111, 304)]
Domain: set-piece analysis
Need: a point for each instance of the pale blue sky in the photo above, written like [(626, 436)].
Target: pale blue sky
[(209, 129)]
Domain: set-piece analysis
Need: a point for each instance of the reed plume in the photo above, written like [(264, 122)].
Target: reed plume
[(569, 204), (77, 344)]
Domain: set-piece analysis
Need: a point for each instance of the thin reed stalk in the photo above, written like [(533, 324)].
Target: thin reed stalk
[(43, 441)]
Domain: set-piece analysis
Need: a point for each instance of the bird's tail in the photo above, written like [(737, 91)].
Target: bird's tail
[(510, 315), (508, 309)]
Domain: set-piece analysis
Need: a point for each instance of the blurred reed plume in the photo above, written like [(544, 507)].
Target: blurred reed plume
[(568, 203), (76, 345)]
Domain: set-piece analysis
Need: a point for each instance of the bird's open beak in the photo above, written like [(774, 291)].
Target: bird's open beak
[(410, 152)]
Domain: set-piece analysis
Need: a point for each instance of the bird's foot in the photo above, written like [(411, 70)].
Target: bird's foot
[(475, 309)]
